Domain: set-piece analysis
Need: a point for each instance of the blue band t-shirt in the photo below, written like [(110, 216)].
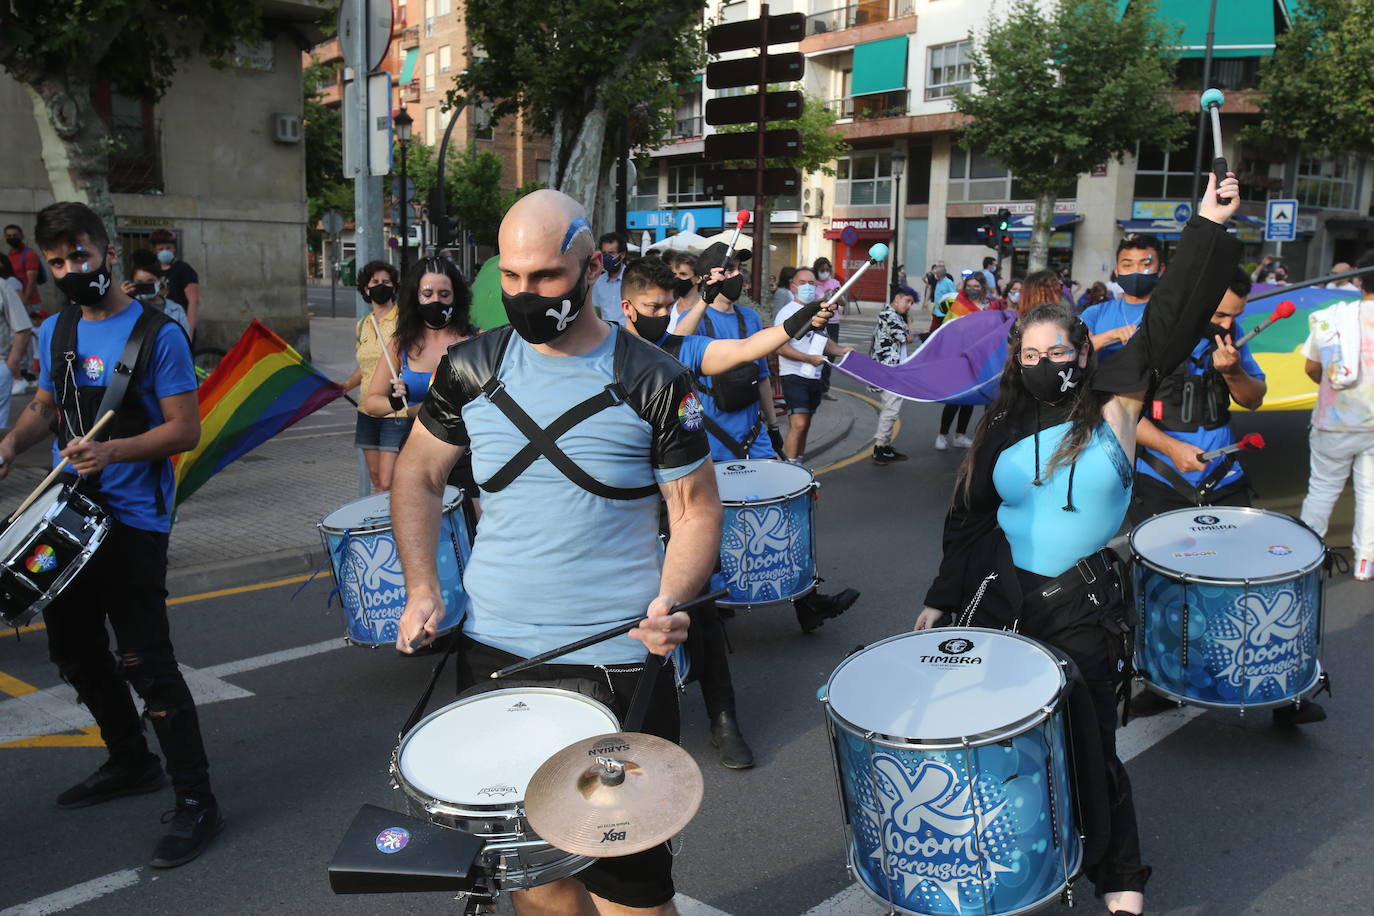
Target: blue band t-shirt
[(129, 489), (738, 424)]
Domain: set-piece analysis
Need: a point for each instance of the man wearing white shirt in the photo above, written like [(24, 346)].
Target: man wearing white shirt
[(606, 287), (685, 315), (800, 364)]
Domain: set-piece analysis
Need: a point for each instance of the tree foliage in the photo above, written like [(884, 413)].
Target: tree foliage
[(1318, 87), (1063, 90), (821, 144), (472, 183), (573, 67), (325, 187)]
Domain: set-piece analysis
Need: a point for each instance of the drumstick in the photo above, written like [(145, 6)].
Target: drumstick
[(1285, 310), (61, 466), (618, 630), (876, 255), (1252, 442), (397, 403)]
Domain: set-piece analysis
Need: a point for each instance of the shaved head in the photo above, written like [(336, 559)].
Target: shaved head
[(545, 242)]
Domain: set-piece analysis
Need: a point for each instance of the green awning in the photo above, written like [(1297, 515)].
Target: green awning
[(408, 68), (879, 66), (1244, 28)]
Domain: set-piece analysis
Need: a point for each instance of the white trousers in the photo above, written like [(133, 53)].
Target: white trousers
[(1334, 456), (887, 417)]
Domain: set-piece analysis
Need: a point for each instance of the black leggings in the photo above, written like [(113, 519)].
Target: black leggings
[(965, 412)]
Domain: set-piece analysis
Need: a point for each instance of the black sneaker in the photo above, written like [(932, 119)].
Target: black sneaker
[(191, 825), (894, 455), (880, 454), (816, 608), (112, 781), (1307, 713)]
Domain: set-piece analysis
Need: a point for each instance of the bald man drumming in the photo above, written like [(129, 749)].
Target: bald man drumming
[(568, 541)]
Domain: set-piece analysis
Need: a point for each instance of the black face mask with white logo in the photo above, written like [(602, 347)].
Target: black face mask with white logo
[(1052, 382), (540, 319), (435, 314), (86, 288)]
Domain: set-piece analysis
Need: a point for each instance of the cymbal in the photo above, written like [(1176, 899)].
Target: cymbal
[(613, 795)]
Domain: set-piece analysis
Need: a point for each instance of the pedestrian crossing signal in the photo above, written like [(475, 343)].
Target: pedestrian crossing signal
[(1004, 221)]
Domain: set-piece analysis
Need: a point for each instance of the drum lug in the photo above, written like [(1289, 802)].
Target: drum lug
[(1067, 897)]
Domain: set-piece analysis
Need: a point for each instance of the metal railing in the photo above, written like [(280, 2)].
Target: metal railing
[(410, 37), (410, 92), (687, 127), (868, 107), (135, 163), (855, 14)]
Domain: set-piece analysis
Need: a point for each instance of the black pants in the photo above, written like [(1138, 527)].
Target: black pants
[(1152, 496), (965, 412), (644, 879), (1099, 654), (125, 583), (711, 659)]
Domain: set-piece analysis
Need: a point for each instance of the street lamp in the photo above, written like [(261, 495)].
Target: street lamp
[(898, 165), (403, 122)]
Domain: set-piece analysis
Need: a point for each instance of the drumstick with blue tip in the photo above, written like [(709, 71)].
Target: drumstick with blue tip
[(876, 255), (1212, 101), (61, 466), (618, 630)]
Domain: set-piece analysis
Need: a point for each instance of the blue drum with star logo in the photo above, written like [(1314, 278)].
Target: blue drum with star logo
[(767, 551)]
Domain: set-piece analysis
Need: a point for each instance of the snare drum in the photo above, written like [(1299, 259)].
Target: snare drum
[(767, 551), (954, 778), (467, 766), (1230, 603), (45, 548), (367, 568)]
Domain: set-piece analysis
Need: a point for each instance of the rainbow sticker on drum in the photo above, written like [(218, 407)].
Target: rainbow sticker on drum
[(43, 559)]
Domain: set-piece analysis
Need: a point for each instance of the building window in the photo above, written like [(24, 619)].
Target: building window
[(135, 162), (445, 115), (431, 132), (864, 179), (974, 176), (429, 9), (445, 58), (950, 69), (429, 72), (1165, 176), (646, 189), (481, 121), (687, 120), (686, 184), (1328, 182)]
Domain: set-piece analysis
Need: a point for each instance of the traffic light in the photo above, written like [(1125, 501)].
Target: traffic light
[(1006, 240), (1003, 220), (987, 233)]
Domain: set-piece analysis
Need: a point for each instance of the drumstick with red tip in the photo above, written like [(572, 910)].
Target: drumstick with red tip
[(740, 219), (1250, 442), (1284, 310)]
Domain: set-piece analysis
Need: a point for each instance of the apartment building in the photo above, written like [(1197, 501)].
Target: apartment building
[(888, 68)]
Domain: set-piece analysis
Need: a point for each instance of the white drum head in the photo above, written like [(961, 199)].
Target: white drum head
[(947, 683), (16, 534), (373, 513), (1227, 543), (759, 479), (483, 750)]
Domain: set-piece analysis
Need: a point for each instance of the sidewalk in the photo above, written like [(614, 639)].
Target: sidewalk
[(257, 518)]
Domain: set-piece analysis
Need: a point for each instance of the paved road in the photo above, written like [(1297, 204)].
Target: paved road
[(1236, 816)]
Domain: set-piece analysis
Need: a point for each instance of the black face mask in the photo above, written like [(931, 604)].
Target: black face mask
[(435, 314), (681, 287), (651, 328), (86, 288), (1052, 382), (539, 319), (380, 294), (1138, 285), (14, 243), (732, 288), (1214, 331)]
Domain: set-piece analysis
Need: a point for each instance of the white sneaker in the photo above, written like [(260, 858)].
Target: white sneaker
[(18, 386), (962, 441), (941, 443), (1364, 569)]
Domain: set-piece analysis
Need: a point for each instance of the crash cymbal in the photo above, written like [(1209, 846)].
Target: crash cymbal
[(613, 795)]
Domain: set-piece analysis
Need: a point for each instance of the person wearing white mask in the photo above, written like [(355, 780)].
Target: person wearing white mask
[(799, 365)]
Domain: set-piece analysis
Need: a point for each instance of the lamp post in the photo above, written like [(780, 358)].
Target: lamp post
[(898, 166), (403, 123)]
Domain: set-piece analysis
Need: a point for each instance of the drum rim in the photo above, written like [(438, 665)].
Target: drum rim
[(811, 484), (452, 497), (1204, 704), (1176, 576), (1041, 715), (457, 806)]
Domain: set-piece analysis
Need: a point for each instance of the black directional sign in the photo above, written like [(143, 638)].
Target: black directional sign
[(736, 36), (744, 109), (781, 143), (727, 74), (724, 182)]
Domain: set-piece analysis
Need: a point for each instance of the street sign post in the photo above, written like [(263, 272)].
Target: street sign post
[(1281, 221), (332, 222), (784, 143)]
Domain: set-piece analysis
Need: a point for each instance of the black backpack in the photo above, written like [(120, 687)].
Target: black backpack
[(737, 388)]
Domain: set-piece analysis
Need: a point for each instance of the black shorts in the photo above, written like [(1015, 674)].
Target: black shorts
[(644, 879)]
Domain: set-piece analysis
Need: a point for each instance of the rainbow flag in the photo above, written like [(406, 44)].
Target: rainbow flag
[(261, 387), (1278, 350)]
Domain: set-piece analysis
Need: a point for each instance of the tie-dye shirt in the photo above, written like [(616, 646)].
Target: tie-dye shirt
[(1347, 409)]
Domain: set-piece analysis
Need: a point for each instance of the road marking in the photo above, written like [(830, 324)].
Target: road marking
[(864, 452), (255, 587), (228, 669), (686, 906), (75, 895), (14, 687)]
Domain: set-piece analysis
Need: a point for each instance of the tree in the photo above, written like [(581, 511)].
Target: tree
[(581, 72), (325, 187), (1060, 92), (472, 184), (1318, 87), (60, 52)]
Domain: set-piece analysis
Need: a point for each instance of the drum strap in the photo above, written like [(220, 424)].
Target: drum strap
[(644, 692), (1197, 495), (738, 449), (419, 710)]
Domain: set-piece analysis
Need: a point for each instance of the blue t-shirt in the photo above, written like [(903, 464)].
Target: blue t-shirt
[(129, 488), (1117, 312), (738, 424), (606, 549)]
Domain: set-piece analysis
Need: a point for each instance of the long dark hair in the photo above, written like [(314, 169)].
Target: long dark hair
[(410, 327), (1013, 399)]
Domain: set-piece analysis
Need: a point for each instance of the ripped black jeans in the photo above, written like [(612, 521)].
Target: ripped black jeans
[(125, 583)]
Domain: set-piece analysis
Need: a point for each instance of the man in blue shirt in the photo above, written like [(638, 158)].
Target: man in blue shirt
[(129, 473), (567, 545)]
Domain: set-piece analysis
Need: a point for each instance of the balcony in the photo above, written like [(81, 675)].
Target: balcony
[(410, 37), (410, 92), (868, 107), (686, 128), (863, 12)]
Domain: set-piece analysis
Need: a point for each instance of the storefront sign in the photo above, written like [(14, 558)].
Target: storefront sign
[(1161, 209), (1020, 208), (687, 220), (864, 224)]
